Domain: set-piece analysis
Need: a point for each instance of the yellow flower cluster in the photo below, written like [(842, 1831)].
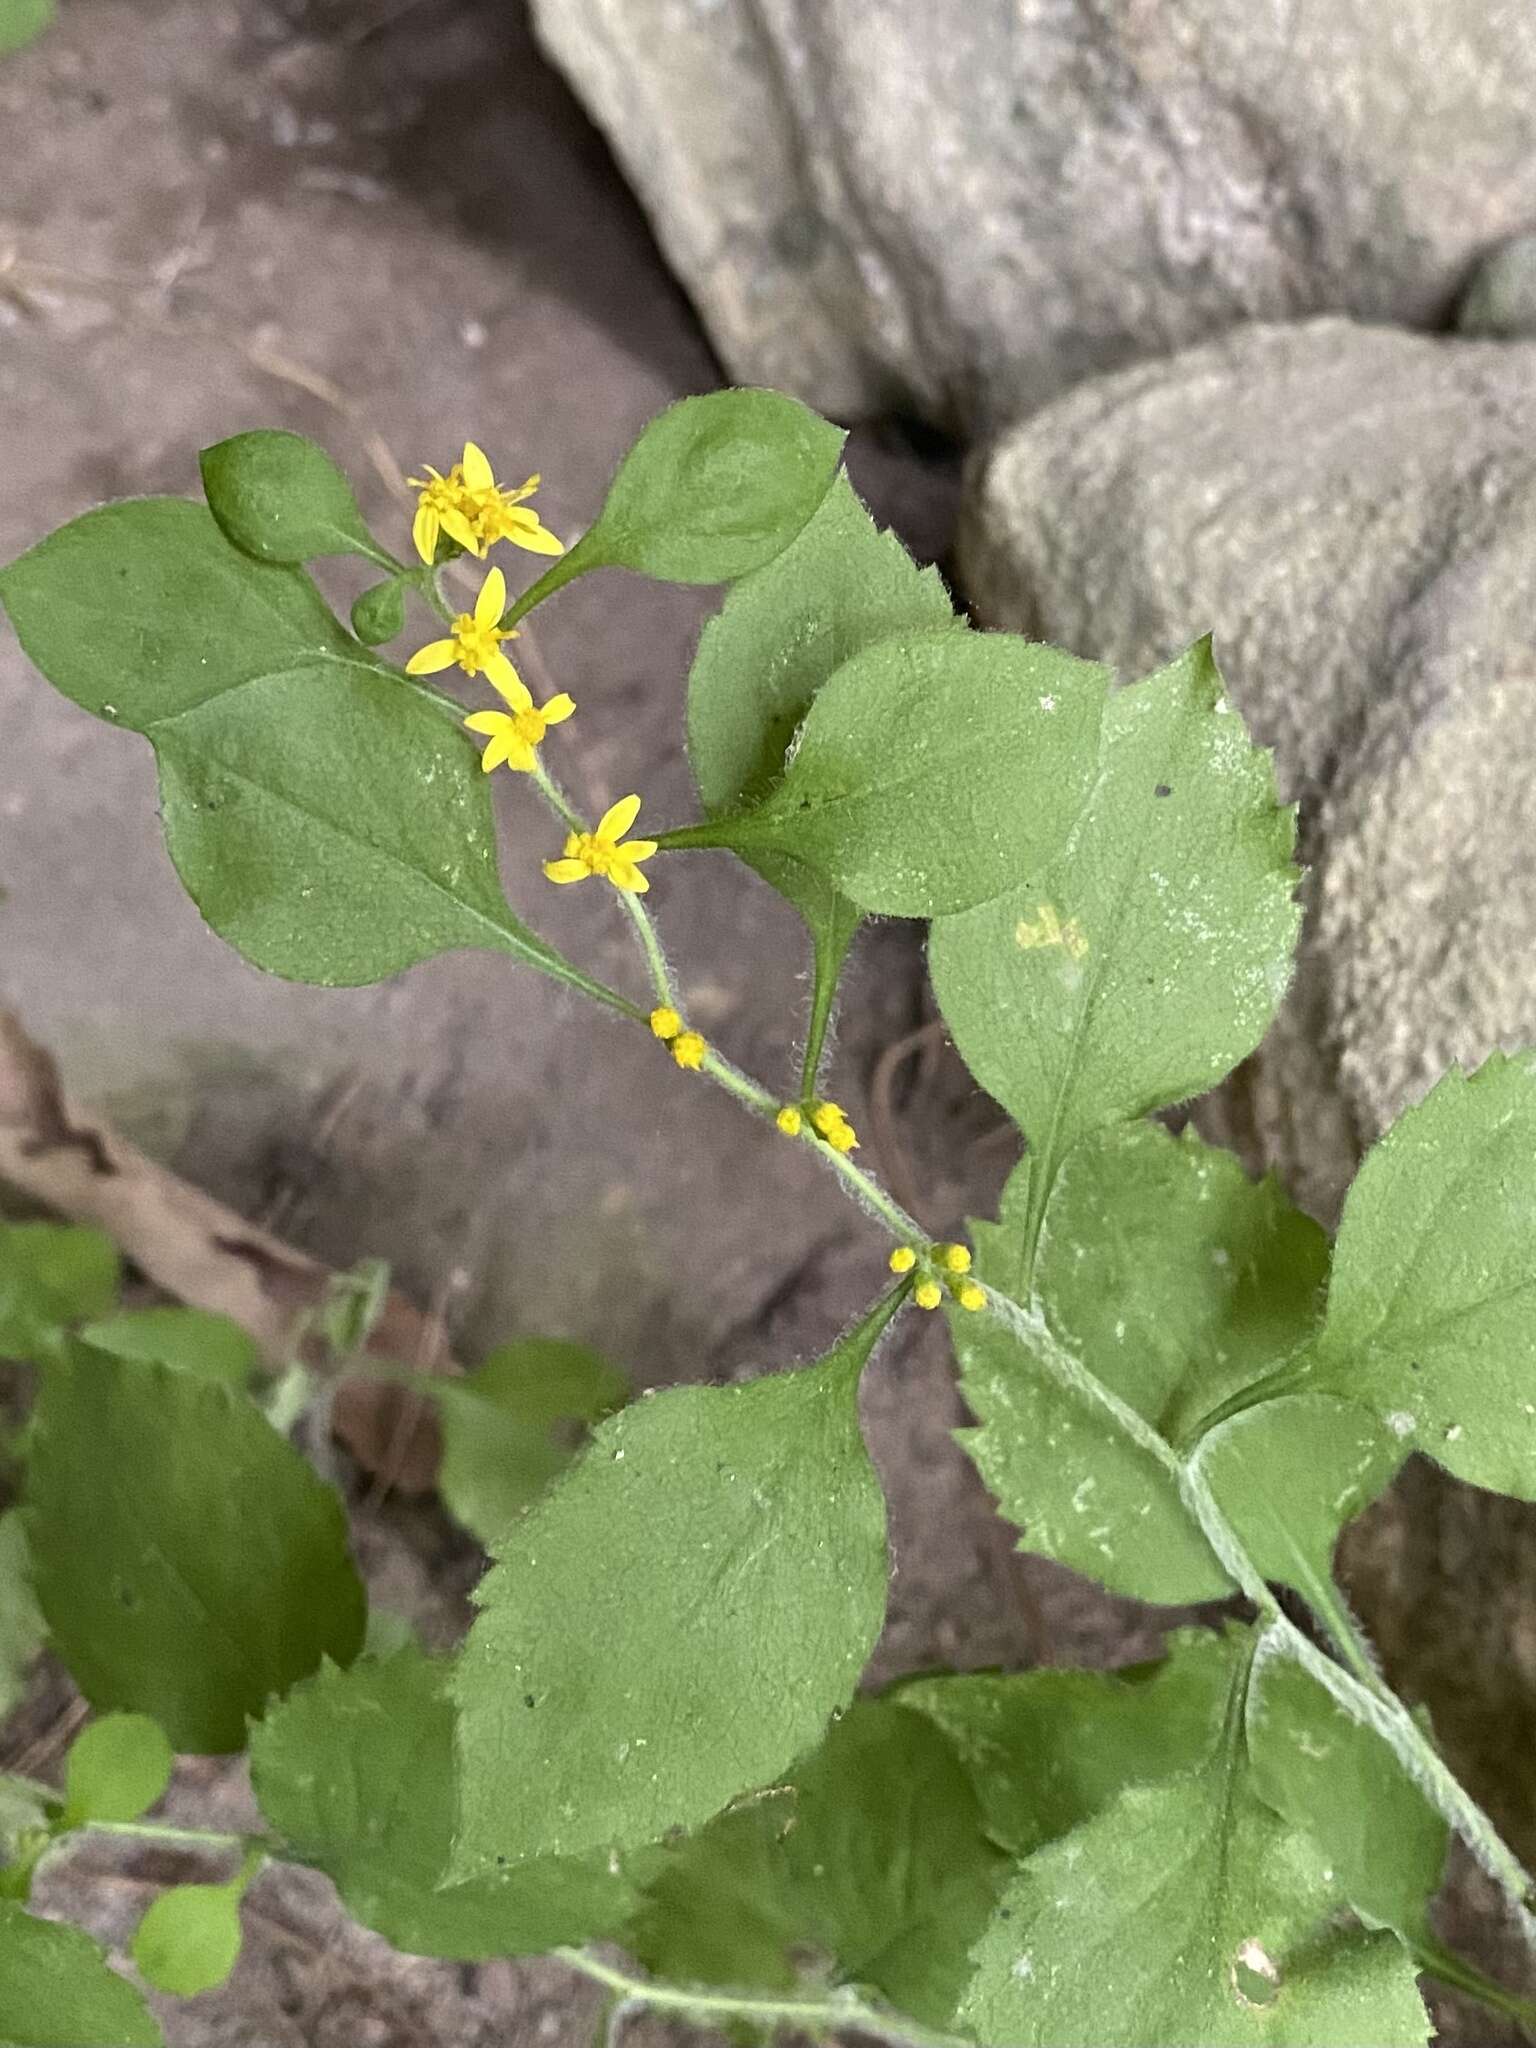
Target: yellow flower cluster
[(474, 645), (686, 1047), (953, 1261), (475, 511)]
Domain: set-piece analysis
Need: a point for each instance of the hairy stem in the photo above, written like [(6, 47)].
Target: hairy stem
[(838, 2010)]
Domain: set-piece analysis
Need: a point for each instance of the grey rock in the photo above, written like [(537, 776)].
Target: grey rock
[(1501, 299), (1353, 512), (962, 209)]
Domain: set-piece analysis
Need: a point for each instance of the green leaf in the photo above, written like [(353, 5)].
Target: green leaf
[(378, 614), (839, 587), (57, 1990), (1288, 1474), (1140, 961), (1187, 1912), (52, 1275), (500, 1449), (713, 1546), (1340, 1783), (326, 815), (22, 1632), (189, 1940), (355, 1770), (1429, 1316), (188, 1561), (714, 487), (22, 21), (116, 1769), (280, 498), (869, 1867), (192, 1340), (1046, 1750), (931, 770)]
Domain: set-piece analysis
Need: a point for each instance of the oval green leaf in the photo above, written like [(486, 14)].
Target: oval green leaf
[(116, 1769), (279, 498), (189, 1940)]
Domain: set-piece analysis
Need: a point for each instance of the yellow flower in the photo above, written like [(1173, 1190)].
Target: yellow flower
[(514, 735), (789, 1120), (834, 1127), (927, 1294), (475, 644), (955, 1258), (473, 509), (688, 1049), (903, 1259), (602, 853), (665, 1022), (971, 1296)]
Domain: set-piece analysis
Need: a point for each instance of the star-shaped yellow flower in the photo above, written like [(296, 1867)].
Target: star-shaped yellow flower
[(473, 509), (601, 852), (514, 734), (475, 643)]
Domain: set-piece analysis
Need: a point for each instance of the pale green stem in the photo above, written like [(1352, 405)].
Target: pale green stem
[(181, 1838), (840, 2010)]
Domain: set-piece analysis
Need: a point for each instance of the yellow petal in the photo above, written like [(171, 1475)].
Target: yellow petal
[(458, 526), (618, 818), (636, 849), (520, 755), (492, 601), (506, 679), (424, 530), (566, 870), (557, 710), (537, 539), (437, 654), (487, 721), (496, 751), (625, 876), (478, 474)]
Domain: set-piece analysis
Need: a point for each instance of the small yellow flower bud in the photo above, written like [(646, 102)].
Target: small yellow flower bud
[(927, 1294), (688, 1049), (827, 1118), (971, 1296), (843, 1140), (903, 1259), (789, 1120), (666, 1023), (956, 1258)]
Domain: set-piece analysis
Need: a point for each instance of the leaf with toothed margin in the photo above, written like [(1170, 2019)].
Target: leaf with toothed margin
[(713, 1546), (1138, 962), (1431, 1316)]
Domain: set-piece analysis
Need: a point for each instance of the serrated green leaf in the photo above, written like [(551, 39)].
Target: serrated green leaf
[(116, 1769), (1339, 1782), (713, 488), (192, 1340), (1288, 1474), (189, 1940), (22, 1631), (22, 22), (1200, 1282), (1047, 1750), (869, 1867), (1187, 1912), (57, 1990), (840, 586), (378, 614), (355, 1770), (187, 1560), (931, 770), (712, 1545), (327, 817), (500, 1449), (1429, 1318), (52, 1275), (280, 498), (1140, 961)]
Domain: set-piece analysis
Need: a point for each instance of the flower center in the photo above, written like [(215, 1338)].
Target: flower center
[(476, 643), (596, 855)]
